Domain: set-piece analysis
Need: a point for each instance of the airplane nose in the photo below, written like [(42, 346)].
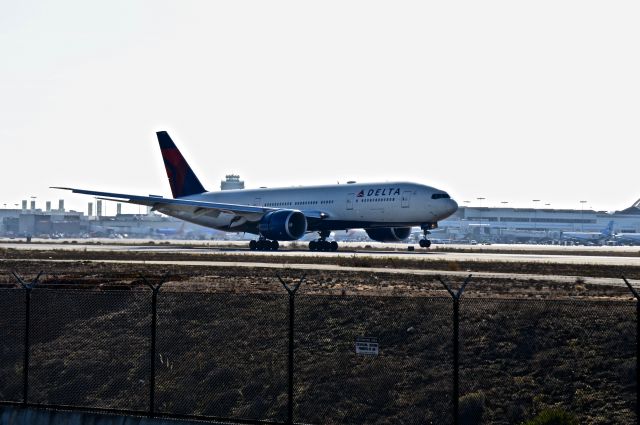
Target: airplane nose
[(452, 206)]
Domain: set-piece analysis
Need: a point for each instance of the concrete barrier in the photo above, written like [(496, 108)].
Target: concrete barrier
[(10, 415)]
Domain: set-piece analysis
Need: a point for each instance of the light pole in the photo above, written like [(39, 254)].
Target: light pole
[(480, 213), (581, 219), (466, 218), (502, 227)]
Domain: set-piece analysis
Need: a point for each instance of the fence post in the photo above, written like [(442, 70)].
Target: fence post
[(637, 297), (25, 370), (291, 290), (456, 345), (154, 320)]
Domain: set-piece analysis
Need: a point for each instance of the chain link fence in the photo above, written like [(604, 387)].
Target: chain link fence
[(524, 356), (407, 381), (222, 355), (12, 344), (294, 357), (89, 348)]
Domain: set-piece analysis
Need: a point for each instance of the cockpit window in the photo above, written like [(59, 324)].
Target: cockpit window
[(440, 196)]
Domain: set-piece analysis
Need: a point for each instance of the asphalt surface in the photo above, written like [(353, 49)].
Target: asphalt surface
[(598, 255)]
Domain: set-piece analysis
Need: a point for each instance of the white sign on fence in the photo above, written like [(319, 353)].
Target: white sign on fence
[(366, 346)]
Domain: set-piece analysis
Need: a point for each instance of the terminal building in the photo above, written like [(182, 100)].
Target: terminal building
[(72, 224), (509, 225), (32, 221)]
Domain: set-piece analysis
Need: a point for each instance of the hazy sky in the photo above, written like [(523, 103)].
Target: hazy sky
[(506, 100)]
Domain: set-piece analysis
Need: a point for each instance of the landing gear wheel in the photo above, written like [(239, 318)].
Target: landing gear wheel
[(425, 243), (322, 244), (263, 245)]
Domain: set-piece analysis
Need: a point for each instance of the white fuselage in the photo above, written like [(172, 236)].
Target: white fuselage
[(584, 236), (343, 206), (628, 237)]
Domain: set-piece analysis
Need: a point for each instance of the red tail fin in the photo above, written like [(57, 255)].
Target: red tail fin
[(182, 179)]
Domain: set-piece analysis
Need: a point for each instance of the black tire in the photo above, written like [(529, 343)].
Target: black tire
[(334, 246), (274, 245), (423, 243), (253, 245), (313, 246), (427, 243)]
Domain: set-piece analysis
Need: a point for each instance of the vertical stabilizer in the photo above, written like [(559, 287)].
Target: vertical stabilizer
[(182, 179), (609, 230)]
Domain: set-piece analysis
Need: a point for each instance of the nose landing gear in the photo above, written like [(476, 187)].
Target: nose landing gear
[(322, 244), (425, 242)]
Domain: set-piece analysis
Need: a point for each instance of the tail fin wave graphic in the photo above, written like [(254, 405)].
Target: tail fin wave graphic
[(182, 179), (609, 230)]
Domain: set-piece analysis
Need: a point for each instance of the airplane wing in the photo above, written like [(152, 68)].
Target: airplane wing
[(250, 212)]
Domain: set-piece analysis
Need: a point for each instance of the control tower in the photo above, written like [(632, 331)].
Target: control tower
[(231, 181)]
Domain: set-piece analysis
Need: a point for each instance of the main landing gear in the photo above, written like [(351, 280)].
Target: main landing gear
[(322, 244), (425, 242), (263, 244)]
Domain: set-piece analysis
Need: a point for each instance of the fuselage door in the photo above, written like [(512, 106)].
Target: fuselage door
[(350, 198), (406, 197)]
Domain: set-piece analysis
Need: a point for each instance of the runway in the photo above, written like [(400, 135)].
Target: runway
[(235, 254), (611, 256)]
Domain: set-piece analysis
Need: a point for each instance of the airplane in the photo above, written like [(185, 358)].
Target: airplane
[(386, 211), (606, 233), (629, 238), (170, 231)]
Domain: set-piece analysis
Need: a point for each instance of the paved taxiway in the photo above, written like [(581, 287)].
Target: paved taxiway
[(623, 256)]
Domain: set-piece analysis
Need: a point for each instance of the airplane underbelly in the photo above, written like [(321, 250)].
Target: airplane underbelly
[(221, 221), (396, 215)]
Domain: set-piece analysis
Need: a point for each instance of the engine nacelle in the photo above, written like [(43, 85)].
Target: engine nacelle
[(283, 225), (389, 234)]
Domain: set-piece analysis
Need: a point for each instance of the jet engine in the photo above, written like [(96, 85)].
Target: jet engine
[(283, 225), (389, 234)]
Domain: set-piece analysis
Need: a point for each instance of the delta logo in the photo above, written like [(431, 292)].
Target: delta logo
[(379, 192)]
